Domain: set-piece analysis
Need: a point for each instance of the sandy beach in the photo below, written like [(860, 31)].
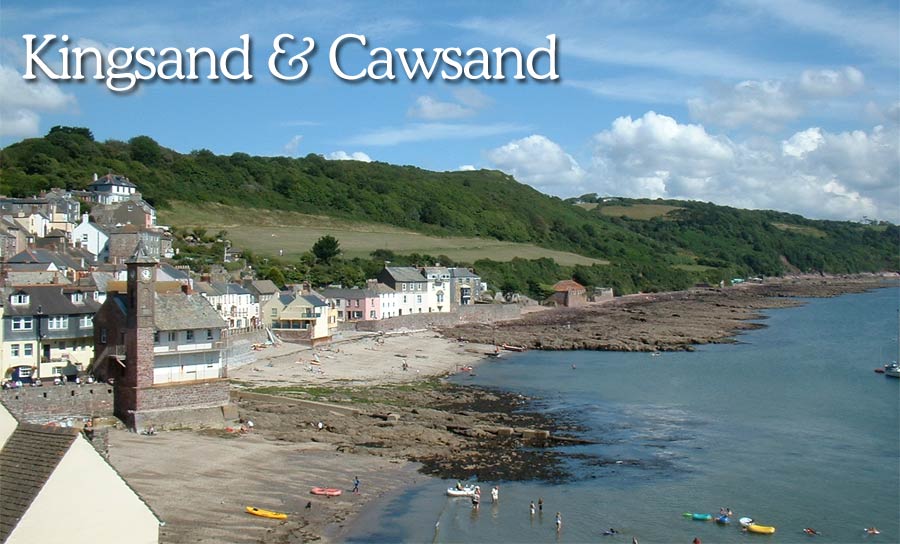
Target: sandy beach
[(391, 425)]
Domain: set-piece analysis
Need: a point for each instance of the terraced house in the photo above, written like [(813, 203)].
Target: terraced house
[(48, 329)]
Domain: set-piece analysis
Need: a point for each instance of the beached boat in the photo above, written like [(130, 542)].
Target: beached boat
[(760, 529), (698, 517), (266, 513), (467, 491), (508, 347), (327, 491)]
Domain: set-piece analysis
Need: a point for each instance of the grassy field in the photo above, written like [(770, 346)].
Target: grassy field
[(638, 211), (267, 232), (809, 231)]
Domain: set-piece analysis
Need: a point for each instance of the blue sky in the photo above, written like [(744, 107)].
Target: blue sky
[(752, 103)]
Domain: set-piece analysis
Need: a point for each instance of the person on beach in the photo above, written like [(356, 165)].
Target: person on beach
[(541, 504), (495, 494), (532, 508), (356, 484), (558, 522)]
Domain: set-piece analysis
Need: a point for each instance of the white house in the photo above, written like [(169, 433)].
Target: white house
[(92, 238), (234, 303), (438, 288), (387, 298), (111, 188), (54, 482)]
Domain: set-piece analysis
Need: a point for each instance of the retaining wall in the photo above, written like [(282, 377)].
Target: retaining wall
[(478, 313)]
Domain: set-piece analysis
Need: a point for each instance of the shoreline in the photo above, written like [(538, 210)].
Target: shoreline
[(411, 424)]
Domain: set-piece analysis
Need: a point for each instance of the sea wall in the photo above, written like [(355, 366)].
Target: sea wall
[(478, 313), (55, 402)]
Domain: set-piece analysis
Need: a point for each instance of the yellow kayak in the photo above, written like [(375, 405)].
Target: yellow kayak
[(265, 513), (762, 529)]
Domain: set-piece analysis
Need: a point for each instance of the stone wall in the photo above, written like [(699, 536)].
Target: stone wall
[(239, 346), (478, 313), (56, 402), (183, 395)]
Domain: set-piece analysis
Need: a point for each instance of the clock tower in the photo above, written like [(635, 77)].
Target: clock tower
[(138, 332)]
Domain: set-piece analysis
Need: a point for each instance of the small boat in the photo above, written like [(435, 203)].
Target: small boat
[(266, 513), (467, 491), (723, 520), (892, 370), (508, 347), (698, 517), (327, 491), (745, 521), (761, 529)]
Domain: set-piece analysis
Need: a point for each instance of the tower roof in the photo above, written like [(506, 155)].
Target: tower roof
[(140, 255)]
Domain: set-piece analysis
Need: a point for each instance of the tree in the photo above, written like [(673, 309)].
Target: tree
[(326, 248)]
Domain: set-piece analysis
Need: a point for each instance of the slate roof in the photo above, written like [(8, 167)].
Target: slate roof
[(460, 272), (51, 300), (350, 294), (111, 179), (314, 300), (405, 273), (173, 273), (262, 287), (34, 255), (439, 270), (177, 311), (382, 288), (27, 460), (230, 289)]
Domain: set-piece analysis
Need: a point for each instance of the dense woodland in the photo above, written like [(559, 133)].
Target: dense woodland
[(696, 242)]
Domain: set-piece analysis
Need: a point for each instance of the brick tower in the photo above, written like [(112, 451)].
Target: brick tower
[(138, 331)]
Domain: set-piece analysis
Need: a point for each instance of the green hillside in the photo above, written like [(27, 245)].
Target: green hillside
[(647, 244)]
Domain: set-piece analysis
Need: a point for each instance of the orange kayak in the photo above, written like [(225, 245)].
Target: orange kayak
[(327, 491)]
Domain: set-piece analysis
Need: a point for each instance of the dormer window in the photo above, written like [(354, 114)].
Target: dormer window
[(77, 297), (19, 299)]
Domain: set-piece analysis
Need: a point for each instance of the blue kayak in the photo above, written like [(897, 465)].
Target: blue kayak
[(723, 520), (698, 517)]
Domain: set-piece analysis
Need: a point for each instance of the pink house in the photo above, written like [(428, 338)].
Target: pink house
[(353, 304)]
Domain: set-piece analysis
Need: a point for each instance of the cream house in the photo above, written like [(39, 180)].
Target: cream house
[(54, 483)]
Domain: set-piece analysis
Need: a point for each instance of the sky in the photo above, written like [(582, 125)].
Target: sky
[(764, 104)]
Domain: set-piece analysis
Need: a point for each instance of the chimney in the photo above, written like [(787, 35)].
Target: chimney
[(371, 283), (305, 288), (95, 176), (84, 216), (186, 289)]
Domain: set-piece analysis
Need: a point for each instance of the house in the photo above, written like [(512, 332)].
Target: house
[(438, 289), (132, 211), (411, 287), (123, 241), (301, 316), (37, 224), (48, 328), (353, 304), (465, 286), (110, 189), (263, 290), (53, 482), (388, 299), (234, 304), (92, 238), (69, 265), (60, 207), (163, 350), (568, 293), (13, 238)]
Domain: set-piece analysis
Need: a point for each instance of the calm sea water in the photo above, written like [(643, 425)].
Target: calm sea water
[(791, 427)]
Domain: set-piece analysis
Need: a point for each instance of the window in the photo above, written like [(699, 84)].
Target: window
[(274, 312), (418, 299), (440, 297), (86, 321), (371, 314), (156, 337), (190, 336), (173, 336), (57, 322), (22, 323), (404, 299), (209, 334), (19, 299), (77, 297), (62, 344), (14, 350), (84, 238), (102, 336), (29, 350), (403, 286)]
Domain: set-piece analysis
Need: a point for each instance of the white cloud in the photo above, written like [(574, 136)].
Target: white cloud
[(820, 174), (827, 83), (764, 105), (431, 109), (466, 168), (472, 97), (540, 162), (344, 156), (293, 145), (21, 103), (769, 104), (419, 132)]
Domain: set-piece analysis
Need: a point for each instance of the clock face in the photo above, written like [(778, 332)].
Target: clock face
[(145, 273)]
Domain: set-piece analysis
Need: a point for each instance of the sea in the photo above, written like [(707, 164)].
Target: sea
[(789, 426)]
